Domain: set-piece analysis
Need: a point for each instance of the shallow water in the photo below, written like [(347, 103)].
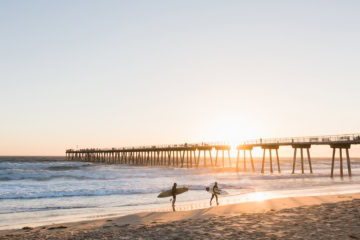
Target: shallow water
[(45, 190)]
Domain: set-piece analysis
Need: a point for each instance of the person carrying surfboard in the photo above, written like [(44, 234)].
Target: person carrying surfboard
[(173, 192), (215, 190)]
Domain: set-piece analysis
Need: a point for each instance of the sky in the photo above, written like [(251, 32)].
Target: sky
[(77, 74)]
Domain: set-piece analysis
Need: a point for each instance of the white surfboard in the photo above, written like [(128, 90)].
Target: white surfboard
[(218, 191)]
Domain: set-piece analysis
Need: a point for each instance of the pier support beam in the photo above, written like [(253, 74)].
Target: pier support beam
[(302, 147), (223, 149), (346, 147), (204, 149), (244, 149), (182, 156), (270, 148), (177, 158)]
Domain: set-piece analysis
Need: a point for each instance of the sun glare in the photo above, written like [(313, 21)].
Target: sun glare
[(231, 129), (258, 197)]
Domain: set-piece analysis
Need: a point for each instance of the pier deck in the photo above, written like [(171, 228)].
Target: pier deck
[(188, 154)]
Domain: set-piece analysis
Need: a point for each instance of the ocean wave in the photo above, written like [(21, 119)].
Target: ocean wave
[(49, 178), (92, 174), (221, 186), (65, 168), (19, 210), (80, 193), (275, 176), (42, 165)]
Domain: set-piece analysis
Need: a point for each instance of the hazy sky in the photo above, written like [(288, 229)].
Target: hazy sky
[(120, 73)]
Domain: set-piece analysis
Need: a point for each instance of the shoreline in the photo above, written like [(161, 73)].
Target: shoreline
[(150, 219), (182, 206)]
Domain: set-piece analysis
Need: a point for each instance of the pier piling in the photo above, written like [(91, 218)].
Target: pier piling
[(174, 155), (340, 147), (302, 147)]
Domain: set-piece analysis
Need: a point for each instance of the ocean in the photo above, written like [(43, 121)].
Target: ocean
[(36, 191)]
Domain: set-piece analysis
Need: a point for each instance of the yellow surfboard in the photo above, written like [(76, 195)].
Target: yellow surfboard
[(168, 193)]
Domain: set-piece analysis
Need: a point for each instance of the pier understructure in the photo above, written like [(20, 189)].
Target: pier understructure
[(199, 155), (176, 155)]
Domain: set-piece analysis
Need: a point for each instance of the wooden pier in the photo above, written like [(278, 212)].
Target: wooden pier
[(177, 155), (197, 155), (340, 142)]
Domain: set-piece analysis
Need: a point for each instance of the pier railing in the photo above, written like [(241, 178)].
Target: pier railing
[(314, 140), (161, 146)]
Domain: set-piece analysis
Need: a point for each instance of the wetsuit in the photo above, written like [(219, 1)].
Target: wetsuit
[(173, 191), (215, 189)]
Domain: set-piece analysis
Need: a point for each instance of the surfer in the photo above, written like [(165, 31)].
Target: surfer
[(173, 192), (215, 191)]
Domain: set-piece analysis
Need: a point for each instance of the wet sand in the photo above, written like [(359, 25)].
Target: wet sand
[(318, 217)]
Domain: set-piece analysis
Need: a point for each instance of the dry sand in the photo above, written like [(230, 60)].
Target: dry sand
[(318, 217)]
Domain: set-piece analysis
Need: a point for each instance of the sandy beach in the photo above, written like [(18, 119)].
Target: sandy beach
[(315, 217)]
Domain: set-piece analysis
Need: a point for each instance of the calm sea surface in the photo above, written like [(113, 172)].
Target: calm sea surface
[(44, 190)]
